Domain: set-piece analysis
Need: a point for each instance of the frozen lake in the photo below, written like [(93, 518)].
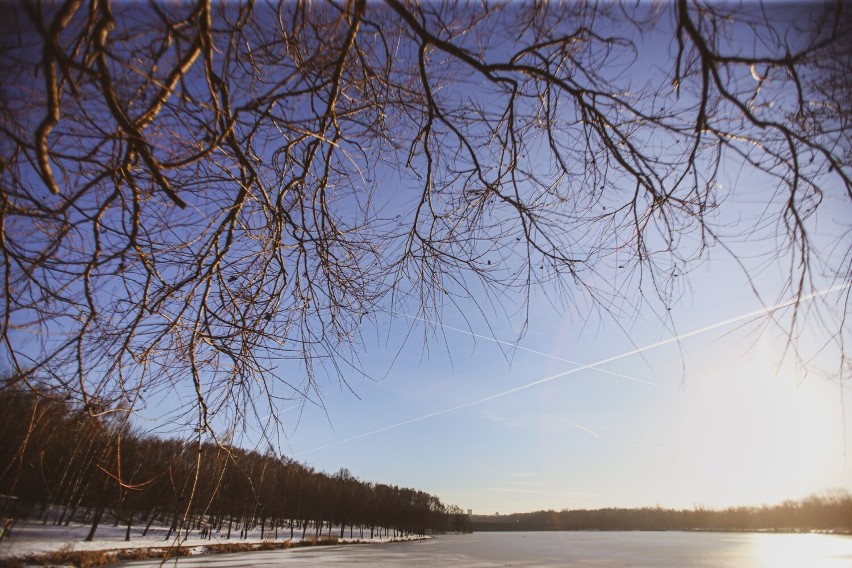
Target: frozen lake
[(581, 549)]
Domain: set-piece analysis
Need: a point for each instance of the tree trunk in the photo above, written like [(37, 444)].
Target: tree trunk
[(95, 522), (72, 515), (173, 526), (62, 516), (46, 512), (129, 523), (151, 520)]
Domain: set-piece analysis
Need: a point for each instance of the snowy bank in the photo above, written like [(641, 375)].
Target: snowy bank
[(31, 539)]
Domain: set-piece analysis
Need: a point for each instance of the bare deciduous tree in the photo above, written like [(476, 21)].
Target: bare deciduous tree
[(192, 192)]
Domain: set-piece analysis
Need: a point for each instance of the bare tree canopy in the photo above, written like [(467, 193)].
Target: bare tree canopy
[(192, 192)]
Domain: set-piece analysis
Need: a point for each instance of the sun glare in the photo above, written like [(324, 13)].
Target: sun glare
[(798, 550), (757, 436)]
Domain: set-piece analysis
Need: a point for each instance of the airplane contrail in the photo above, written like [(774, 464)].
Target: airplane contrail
[(521, 347), (650, 346)]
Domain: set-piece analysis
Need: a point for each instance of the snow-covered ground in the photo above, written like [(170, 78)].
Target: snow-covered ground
[(33, 537)]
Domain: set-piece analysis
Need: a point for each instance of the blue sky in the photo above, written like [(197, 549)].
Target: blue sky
[(728, 416), (723, 417), (717, 419), (728, 431)]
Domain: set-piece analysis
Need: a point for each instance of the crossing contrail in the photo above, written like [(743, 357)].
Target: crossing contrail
[(522, 348), (638, 350)]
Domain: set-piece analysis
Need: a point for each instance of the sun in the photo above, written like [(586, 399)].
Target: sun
[(752, 434)]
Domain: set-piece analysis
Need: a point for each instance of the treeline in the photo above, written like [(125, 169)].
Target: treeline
[(829, 512), (59, 464)]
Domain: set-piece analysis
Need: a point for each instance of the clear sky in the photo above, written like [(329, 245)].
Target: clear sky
[(720, 417), (723, 416), (711, 420), (727, 416)]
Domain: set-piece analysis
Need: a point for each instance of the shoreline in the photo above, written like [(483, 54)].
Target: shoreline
[(33, 543), (101, 557), (320, 549)]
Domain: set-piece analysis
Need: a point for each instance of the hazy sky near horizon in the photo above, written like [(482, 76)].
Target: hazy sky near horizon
[(707, 408)]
